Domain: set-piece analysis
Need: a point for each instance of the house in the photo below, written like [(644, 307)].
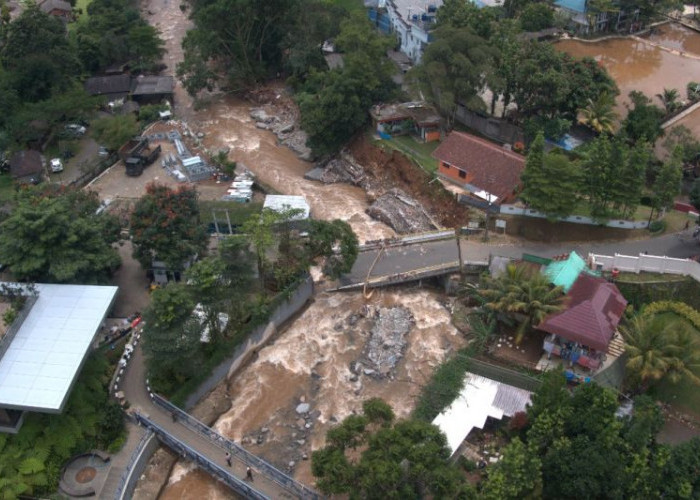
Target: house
[(583, 20), (565, 269), (411, 21), (583, 333), (44, 349), (481, 398), (57, 8), (416, 118), (27, 166), (113, 87), (487, 171), (152, 89)]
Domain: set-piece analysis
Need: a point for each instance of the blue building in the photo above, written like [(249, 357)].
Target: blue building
[(583, 20)]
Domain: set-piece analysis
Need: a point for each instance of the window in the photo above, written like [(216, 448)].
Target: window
[(445, 165), (462, 174)]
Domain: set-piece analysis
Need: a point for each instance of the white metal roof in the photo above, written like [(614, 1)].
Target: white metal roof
[(279, 203), (479, 399), (45, 356)]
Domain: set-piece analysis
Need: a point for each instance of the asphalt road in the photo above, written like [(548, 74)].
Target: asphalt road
[(419, 256)]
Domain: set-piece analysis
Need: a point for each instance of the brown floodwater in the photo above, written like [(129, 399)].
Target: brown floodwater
[(311, 360), (637, 64)]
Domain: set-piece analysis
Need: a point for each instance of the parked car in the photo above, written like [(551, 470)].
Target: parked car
[(56, 165), (103, 153), (76, 129)]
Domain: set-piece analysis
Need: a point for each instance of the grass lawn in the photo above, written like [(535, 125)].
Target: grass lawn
[(645, 277), (82, 18), (237, 212), (418, 151)]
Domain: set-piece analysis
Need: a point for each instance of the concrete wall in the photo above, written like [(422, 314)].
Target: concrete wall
[(647, 263), (150, 445), (576, 219), (494, 128), (257, 338)]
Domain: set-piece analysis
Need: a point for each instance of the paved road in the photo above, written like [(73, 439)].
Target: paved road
[(426, 255)]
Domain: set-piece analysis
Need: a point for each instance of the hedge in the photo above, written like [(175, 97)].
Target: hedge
[(679, 308)]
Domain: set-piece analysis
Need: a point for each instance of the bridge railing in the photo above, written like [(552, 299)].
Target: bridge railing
[(258, 463), (119, 493), (212, 468)]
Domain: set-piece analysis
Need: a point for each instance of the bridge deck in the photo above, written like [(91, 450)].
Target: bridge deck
[(408, 260), (141, 402)]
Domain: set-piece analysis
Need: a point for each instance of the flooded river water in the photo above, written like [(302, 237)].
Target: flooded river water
[(310, 362)]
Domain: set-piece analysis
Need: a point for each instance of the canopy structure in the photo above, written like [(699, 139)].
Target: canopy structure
[(479, 399), (43, 359)]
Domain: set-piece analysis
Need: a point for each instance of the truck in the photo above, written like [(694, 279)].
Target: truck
[(137, 154)]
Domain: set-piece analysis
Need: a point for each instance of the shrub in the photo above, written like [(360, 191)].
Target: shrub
[(679, 308), (657, 226)]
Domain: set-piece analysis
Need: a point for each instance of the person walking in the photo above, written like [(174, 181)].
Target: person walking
[(249, 474), (228, 458)]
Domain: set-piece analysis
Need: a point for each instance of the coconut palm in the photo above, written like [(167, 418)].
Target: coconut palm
[(599, 114), (522, 294), (659, 349), (669, 98)]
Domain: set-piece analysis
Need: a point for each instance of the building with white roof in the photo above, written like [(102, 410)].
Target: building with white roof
[(280, 203), (479, 399), (43, 351)]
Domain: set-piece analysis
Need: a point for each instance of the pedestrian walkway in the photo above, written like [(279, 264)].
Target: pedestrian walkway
[(194, 440)]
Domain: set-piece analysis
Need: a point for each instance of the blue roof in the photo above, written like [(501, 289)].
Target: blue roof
[(574, 5), (564, 273)]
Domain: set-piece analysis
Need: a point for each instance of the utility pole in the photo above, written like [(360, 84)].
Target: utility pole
[(459, 250)]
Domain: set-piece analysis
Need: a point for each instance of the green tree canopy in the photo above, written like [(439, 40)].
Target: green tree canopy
[(577, 447), (165, 226), (55, 235), (334, 104), (171, 338), (406, 460), (453, 69), (550, 181), (643, 121), (114, 131), (667, 184), (537, 16)]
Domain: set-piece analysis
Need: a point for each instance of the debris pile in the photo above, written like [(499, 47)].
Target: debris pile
[(341, 169), (283, 124), (401, 212), (387, 342)]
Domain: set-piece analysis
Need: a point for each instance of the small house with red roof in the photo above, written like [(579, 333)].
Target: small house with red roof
[(486, 170), (586, 331)]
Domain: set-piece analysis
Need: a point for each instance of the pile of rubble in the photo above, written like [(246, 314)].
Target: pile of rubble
[(341, 169), (401, 212), (284, 126), (387, 342)]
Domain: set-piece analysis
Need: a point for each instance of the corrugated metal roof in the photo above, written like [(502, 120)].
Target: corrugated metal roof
[(280, 203), (564, 273), (573, 5), (479, 399)]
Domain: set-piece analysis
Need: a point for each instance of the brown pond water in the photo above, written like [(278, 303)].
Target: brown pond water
[(641, 64)]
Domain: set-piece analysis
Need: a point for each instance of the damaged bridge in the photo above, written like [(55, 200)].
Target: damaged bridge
[(407, 259)]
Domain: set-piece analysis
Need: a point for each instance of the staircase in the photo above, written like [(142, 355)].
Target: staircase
[(616, 348)]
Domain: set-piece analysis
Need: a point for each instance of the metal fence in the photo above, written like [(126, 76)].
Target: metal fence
[(262, 466), (214, 469), (123, 481), (503, 375)]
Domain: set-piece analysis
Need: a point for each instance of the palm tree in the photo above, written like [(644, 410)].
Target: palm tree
[(600, 114), (669, 98), (523, 294), (659, 349)]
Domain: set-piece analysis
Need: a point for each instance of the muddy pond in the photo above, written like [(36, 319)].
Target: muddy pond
[(667, 58)]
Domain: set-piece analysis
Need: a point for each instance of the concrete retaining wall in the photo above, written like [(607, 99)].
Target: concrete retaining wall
[(151, 444), (647, 263), (576, 219), (257, 338)]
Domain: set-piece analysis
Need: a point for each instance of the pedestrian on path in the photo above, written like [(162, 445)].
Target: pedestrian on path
[(249, 474), (228, 458)]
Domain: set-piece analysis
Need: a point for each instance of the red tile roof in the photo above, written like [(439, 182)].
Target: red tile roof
[(495, 169), (595, 309)]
